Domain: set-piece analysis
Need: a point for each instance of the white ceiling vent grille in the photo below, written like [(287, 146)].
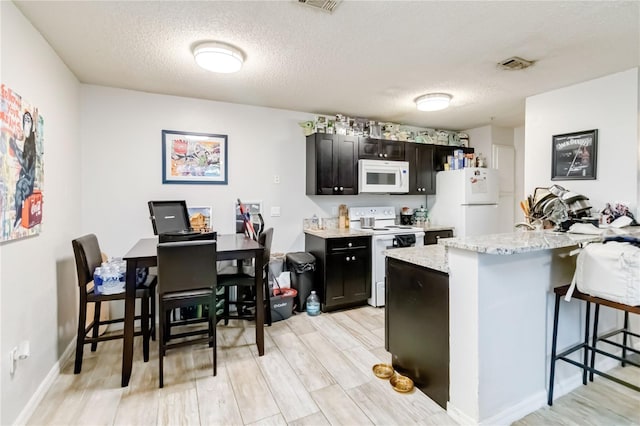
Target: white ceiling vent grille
[(326, 5), (515, 63)]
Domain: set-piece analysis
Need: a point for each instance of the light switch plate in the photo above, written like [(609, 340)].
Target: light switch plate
[(275, 211)]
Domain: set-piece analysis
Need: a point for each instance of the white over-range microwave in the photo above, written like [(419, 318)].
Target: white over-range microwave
[(383, 177)]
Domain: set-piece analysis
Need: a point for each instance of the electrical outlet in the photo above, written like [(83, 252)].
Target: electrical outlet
[(276, 178)]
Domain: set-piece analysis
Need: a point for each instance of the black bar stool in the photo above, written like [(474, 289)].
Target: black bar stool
[(588, 365)]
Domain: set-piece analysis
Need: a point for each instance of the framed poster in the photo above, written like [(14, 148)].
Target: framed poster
[(194, 158), (573, 155)]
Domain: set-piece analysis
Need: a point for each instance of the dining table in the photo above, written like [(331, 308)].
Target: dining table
[(144, 254)]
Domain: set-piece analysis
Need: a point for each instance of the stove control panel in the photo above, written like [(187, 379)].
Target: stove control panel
[(379, 213)]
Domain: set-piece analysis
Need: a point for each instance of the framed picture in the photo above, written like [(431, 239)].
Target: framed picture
[(200, 218), (194, 158), (574, 155)]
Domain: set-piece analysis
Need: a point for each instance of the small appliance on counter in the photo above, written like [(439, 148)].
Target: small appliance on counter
[(406, 216)]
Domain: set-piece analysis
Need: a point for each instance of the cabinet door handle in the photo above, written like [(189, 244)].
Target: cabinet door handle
[(353, 258), (350, 245), (335, 188), (385, 155), (342, 188), (380, 155), (347, 259)]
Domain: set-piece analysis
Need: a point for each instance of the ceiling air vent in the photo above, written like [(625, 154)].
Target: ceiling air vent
[(326, 5), (515, 63)]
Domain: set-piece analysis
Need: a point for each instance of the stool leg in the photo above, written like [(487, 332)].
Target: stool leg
[(144, 325), (586, 344), (624, 337), (96, 326), (164, 317), (153, 314), (82, 320), (594, 340), (553, 350)]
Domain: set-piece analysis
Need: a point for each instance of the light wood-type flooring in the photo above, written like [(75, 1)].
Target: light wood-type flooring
[(315, 371)]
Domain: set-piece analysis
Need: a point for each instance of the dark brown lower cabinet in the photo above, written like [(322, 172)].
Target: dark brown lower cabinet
[(343, 270), (417, 326)]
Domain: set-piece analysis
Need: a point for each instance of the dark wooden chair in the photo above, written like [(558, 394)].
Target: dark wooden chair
[(588, 363), (186, 277), (88, 257), (245, 300)]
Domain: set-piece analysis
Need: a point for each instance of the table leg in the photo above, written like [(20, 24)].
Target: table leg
[(129, 318), (259, 303)]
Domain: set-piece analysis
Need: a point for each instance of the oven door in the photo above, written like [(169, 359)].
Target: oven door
[(380, 243)]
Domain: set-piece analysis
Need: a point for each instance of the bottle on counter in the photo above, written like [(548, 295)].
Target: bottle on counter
[(313, 304)]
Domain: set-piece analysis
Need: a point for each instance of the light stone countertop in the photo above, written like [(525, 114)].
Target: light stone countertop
[(432, 256), (342, 233), (518, 242), (338, 233)]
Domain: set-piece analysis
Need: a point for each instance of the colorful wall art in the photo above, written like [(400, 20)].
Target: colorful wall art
[(21, 166)]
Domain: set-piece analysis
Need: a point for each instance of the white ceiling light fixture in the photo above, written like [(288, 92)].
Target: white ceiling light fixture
[(433, 102), (218, 57)]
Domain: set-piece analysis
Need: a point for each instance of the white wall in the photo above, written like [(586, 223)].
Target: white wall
[(122, 149), (37, 275), (609, 104), (520, 192)]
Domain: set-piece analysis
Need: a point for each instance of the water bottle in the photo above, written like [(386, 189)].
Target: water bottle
[(97, 280), (313, 304)]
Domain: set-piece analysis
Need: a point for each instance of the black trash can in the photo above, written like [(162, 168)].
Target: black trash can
[(301, 265)]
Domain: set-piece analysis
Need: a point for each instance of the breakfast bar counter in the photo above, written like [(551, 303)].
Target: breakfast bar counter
[(500, 299)]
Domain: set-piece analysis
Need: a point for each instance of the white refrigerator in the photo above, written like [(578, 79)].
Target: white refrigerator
[(467, 199)]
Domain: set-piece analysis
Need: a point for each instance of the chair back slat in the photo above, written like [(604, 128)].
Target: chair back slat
[(186, 265), (265, 239), (88, 257)]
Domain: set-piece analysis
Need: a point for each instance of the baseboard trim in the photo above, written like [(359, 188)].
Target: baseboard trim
[(530, 404), (517, 411), (44, 387), (459, 417)]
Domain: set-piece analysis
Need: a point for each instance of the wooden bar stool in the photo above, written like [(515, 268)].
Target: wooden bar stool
[(588, 365)]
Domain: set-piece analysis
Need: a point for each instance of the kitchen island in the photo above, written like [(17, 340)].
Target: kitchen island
[(500, 318)]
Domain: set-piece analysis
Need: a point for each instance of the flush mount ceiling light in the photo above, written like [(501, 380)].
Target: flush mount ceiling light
[(218, 57), (433, 102)]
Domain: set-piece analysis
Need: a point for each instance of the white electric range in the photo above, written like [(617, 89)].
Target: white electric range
[(384, 235)]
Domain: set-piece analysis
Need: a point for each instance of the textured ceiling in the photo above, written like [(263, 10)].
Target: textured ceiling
[(366, 59)]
